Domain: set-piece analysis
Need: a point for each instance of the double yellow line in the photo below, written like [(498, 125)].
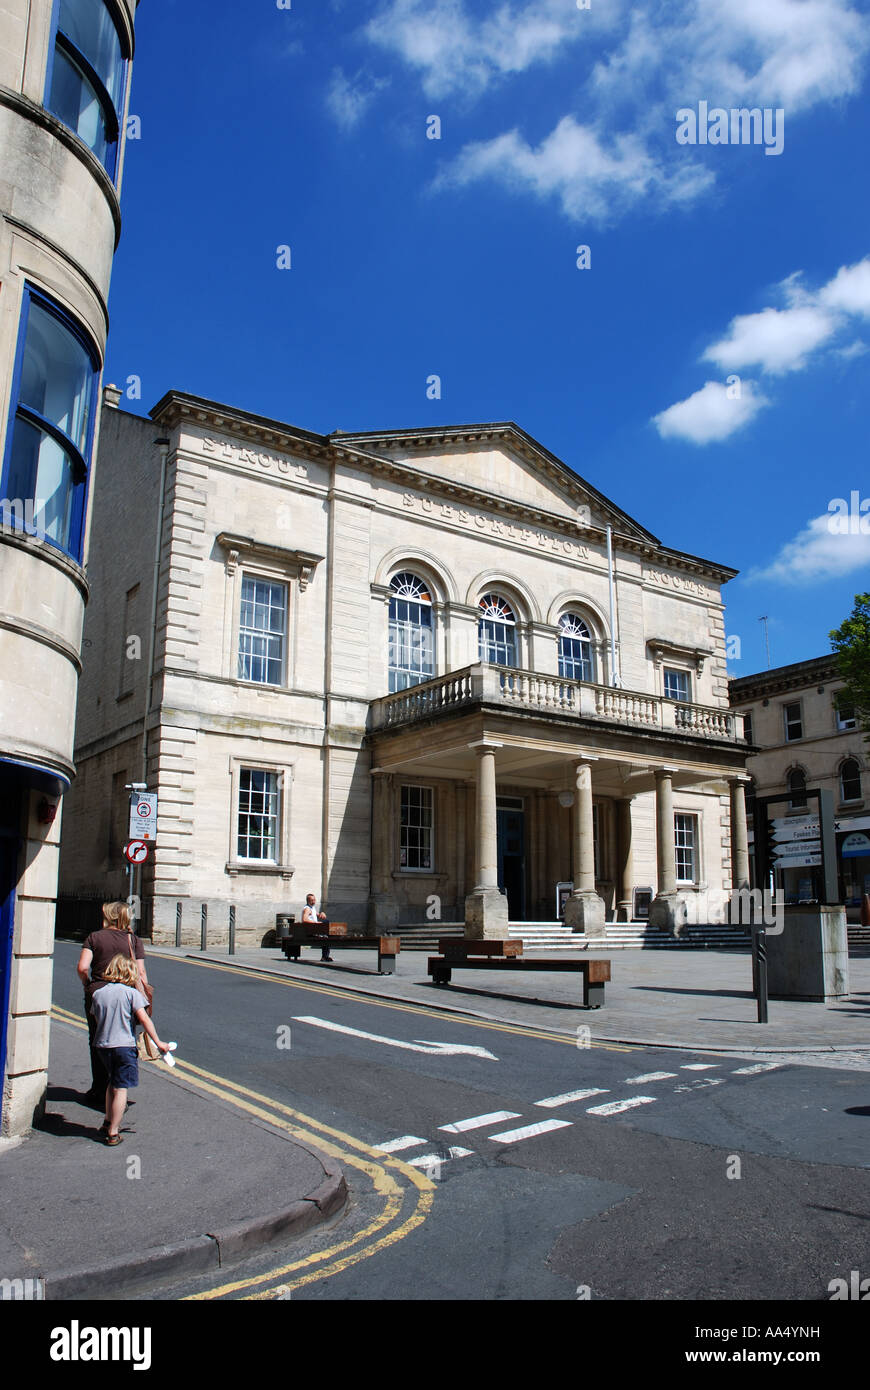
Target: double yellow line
[(405, 1204)]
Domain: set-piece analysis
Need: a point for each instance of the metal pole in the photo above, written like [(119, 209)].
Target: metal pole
[(615, 679), (232, 929), (761, 969), (203, 928), (178, 924)]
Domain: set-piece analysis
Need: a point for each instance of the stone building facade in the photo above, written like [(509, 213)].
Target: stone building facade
[(64, 88), (804, 741), (386, 668)]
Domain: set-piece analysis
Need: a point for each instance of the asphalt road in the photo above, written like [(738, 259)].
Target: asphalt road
[(556, 1171)]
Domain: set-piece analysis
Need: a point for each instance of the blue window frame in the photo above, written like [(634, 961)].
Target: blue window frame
[(51, 432), (87, 76)]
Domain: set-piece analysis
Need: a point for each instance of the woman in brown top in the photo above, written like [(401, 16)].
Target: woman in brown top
[(112, 939)]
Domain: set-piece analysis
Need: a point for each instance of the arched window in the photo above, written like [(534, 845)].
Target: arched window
[(797, 785), (411, 628), (576, 660), (850, 781), (497, 633)]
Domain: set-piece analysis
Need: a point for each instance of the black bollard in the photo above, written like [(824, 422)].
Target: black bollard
[(232, 929), (761, 973), (203, 928), (178, 924)]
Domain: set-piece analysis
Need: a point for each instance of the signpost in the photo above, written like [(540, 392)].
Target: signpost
[(143, 816), (142, 833)]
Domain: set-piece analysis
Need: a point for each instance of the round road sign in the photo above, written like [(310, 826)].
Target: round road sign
[(136, 851)]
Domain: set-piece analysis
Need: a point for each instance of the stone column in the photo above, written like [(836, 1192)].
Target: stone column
[(665, 907), (383, 907), (739, 837), (486, 909), (584, 910), (624, 861)]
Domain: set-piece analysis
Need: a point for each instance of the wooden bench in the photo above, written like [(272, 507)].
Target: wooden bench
[(456, 948), (595, 972), (338, 939)]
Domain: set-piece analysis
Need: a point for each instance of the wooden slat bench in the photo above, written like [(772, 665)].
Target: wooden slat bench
[(595, 972), (338, 939)]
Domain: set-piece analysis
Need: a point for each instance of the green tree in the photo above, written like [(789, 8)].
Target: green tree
[(851, 642)]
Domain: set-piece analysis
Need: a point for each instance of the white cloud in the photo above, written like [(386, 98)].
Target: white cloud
[(817, 554), (349, 100), (592, 180), (850, 289), (711, 414), (777, 340), (456, 51), (648, 62)]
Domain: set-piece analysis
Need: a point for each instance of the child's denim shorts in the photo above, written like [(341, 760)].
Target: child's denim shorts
[(122, 1066)]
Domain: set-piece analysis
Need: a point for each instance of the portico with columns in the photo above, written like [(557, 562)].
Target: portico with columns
[(596, 802)]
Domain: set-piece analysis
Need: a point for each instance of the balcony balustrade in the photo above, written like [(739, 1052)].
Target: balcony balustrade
[(531, 690)]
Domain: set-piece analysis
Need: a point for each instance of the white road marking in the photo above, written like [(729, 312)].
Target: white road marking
[(407, 1141), (433, 1048), (759, 1066), (649, 1076), (699, 1066), (478, 1121), (513, 1136), (616, 1107), (552, 1101), (430, 1160), (701, 1082)]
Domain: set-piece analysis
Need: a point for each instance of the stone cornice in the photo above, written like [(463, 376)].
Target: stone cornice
[(177, 408), (31, 111), (743, 690), (45, 551), (302, 563)]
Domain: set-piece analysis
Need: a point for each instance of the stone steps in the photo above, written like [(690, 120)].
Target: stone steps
[(552, 936)]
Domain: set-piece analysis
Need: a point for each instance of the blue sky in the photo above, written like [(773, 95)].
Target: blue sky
[(708, 371)]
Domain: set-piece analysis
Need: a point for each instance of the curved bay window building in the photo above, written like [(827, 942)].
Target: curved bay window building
[(385, 673), (64, 83)]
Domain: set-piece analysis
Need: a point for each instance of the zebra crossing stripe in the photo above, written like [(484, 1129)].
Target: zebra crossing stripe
[(616, 1107), (700, 1066), (479, 1121), (649, 1076), (394, 1146), (513, 1136), (759, 1066), (552, 1101)]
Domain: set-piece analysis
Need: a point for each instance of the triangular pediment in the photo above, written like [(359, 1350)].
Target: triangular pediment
[(502, 462)]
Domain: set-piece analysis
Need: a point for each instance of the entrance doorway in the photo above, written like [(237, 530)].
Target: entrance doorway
[(511, 825)]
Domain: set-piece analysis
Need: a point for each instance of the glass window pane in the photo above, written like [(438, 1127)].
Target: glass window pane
[(88, 25), (57, 375), (74, 100), (42, 473)]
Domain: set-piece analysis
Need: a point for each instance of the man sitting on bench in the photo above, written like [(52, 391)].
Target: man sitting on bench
[(311, 915)]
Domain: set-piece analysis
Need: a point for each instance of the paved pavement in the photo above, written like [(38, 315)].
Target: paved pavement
[(194, 1185), (695, 999)]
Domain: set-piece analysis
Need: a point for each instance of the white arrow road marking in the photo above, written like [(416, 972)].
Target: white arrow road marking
[(478, 1121), (394, 1146), (616, 1107), (513, 1136), (435, 1049), (552, 1101), (649, 1076), (759, 1066)]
